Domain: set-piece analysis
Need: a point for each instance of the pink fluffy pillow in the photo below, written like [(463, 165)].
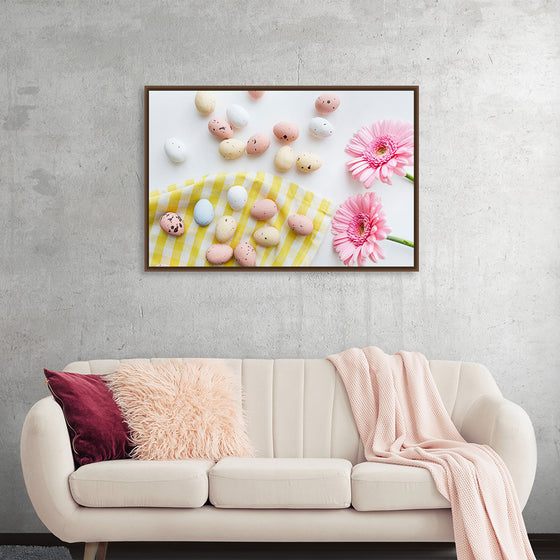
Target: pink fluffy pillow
[(181, 409)]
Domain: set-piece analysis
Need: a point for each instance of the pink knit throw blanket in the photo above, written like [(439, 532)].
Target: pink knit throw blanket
[(401, 420)]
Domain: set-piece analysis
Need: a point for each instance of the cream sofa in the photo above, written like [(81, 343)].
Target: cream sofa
[(308, 482)]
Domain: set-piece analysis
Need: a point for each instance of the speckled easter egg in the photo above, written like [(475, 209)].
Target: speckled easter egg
[(172, 224), (286, 131), (284, 158), (327, 103), (203, 212), (307, 162), (219, 253), (320, 127), (176, 150), (237, 116), (300, 225), (267, 236), (245, 254), (205, 102), (258, 144), (237, 197), (256, 93), (232, 148), (220, 128), (264, 209), (225, 228)]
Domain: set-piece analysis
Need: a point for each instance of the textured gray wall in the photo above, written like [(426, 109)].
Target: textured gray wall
[(72, 284)]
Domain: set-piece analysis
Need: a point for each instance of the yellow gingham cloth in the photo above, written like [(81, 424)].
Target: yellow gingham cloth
[(190, 248)]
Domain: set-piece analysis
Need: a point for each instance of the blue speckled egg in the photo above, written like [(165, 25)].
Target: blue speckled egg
[(203, 213)]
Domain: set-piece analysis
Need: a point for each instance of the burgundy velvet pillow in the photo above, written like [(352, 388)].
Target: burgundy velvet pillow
[(97, 429)]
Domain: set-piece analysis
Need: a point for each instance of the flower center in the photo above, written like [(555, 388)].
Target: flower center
[(380, 151), (360, 228)]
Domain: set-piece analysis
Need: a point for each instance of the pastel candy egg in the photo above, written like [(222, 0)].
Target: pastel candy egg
[(327, 103), (237, 116), (284, 158), (203, 212), (307, 162), (220, 128), (267, 236), (300, 225), (320, 127), (175, 150), (286, 131), (172, 224), (258, 144), (219, 253), (232, 148), (237, 197), (264, 209), (245, 254), (256, 94), (225, 228), (205, 102)]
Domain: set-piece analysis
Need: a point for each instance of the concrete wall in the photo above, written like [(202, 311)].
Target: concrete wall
[(72, 284)]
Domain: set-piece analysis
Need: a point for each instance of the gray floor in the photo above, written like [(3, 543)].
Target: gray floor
[(290, 551), (20, 552)]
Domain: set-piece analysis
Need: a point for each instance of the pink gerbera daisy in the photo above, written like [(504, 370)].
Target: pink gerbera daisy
[(357, 225), (380, 150)]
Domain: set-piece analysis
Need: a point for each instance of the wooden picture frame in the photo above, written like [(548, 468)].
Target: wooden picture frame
[(350, 201)]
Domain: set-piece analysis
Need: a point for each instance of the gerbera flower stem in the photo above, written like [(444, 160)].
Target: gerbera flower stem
[(400, 240), (409, 176)]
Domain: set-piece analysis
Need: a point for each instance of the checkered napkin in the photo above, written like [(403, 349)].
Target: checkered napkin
[(190, 248)]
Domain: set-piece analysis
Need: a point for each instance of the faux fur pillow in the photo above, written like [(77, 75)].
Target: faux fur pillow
[(181, 409)]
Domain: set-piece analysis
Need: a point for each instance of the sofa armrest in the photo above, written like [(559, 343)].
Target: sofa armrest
[(47, 461), (506, 427)]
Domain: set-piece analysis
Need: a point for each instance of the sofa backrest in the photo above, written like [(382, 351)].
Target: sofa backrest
[(299, 407)]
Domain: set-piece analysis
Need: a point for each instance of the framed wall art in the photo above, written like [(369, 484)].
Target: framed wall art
[(281, 177)]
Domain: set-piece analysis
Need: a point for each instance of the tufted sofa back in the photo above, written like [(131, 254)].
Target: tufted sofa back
[(299, 407)]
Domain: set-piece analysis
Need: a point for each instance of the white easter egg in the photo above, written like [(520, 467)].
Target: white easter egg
[(237, 116), (320, 127), (237, 197), (176, 150)]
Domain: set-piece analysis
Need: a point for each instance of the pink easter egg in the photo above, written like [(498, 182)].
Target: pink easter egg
[(300, 225), (245, 254), (258, 144), (264, 209), (286, 131), (220, 128), (219, 253), (327, 103), (172, 224), (256, 93)]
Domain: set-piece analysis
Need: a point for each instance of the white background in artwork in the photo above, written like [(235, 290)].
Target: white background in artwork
[(173, 114)]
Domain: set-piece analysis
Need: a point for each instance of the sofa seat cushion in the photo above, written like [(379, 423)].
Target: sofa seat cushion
[(132, 483), (280, 483), (382, 486)]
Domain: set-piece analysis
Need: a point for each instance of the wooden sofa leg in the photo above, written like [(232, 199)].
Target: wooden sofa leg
[(101, 551), (90, 551), (95, 551)]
